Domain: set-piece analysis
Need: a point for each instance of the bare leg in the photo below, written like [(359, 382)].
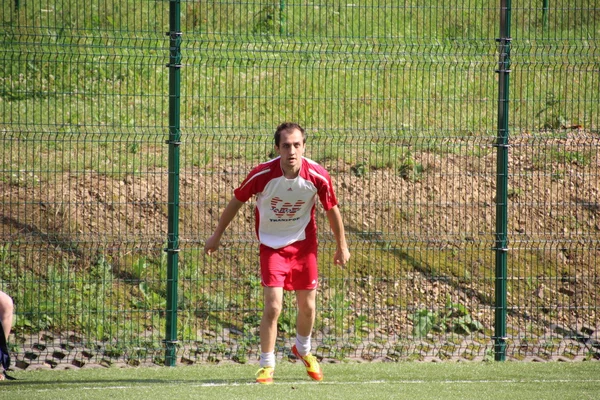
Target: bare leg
[(273, 298), (6, 317), (305, 320), (6, 313)]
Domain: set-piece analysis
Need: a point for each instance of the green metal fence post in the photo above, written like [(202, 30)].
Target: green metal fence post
[(173, 206), (502, 144), (545, 13), (282, 17)]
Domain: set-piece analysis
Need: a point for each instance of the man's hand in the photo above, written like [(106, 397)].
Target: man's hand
[(341, 256), (212, 244)]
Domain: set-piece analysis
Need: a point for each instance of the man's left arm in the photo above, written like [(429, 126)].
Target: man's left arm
[(342, 255)]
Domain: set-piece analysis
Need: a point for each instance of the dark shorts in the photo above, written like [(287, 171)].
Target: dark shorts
[(293, 267)]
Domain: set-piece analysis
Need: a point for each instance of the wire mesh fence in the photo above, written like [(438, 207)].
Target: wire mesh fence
[(400, 103)]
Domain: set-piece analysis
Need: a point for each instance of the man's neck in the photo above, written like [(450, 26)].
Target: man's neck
[(290, 173)]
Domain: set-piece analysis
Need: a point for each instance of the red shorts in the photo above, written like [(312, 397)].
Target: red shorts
[(293, 267)]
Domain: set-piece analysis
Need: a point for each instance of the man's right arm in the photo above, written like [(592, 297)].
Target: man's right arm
[(212, 243)]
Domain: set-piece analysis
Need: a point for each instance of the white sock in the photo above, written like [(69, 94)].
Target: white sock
[(303, 344), (267, 359)]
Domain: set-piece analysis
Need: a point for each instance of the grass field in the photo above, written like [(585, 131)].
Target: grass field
[(342, 381)]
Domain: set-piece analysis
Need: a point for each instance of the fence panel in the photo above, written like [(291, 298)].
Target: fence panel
[(554, 182), (399, 102), (84, 120)]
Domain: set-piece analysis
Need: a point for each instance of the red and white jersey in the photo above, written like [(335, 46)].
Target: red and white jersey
[(285, 208)]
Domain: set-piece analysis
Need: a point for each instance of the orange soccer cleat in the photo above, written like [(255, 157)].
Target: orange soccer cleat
[(313, 369)]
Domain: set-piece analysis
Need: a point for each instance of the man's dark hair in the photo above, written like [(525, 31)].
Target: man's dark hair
[(288, 127)]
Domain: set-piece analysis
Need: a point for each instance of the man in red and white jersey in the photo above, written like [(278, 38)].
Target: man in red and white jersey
[(286, 190)]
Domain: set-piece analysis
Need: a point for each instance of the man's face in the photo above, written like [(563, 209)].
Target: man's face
[(291, 149)]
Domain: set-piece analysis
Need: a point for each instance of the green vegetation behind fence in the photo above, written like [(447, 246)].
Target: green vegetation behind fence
[(401, 105)]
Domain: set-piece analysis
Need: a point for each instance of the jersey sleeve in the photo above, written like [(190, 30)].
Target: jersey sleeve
[(327, 196), (245, 191), (252, 184), (325, 189)]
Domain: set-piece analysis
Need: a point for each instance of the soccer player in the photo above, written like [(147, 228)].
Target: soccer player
[(286, 190)]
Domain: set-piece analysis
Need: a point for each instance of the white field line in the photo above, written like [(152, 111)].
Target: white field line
[(346, 383)]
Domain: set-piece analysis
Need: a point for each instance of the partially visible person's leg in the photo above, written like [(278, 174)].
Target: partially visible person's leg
[(6, 317), (6, 313)]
